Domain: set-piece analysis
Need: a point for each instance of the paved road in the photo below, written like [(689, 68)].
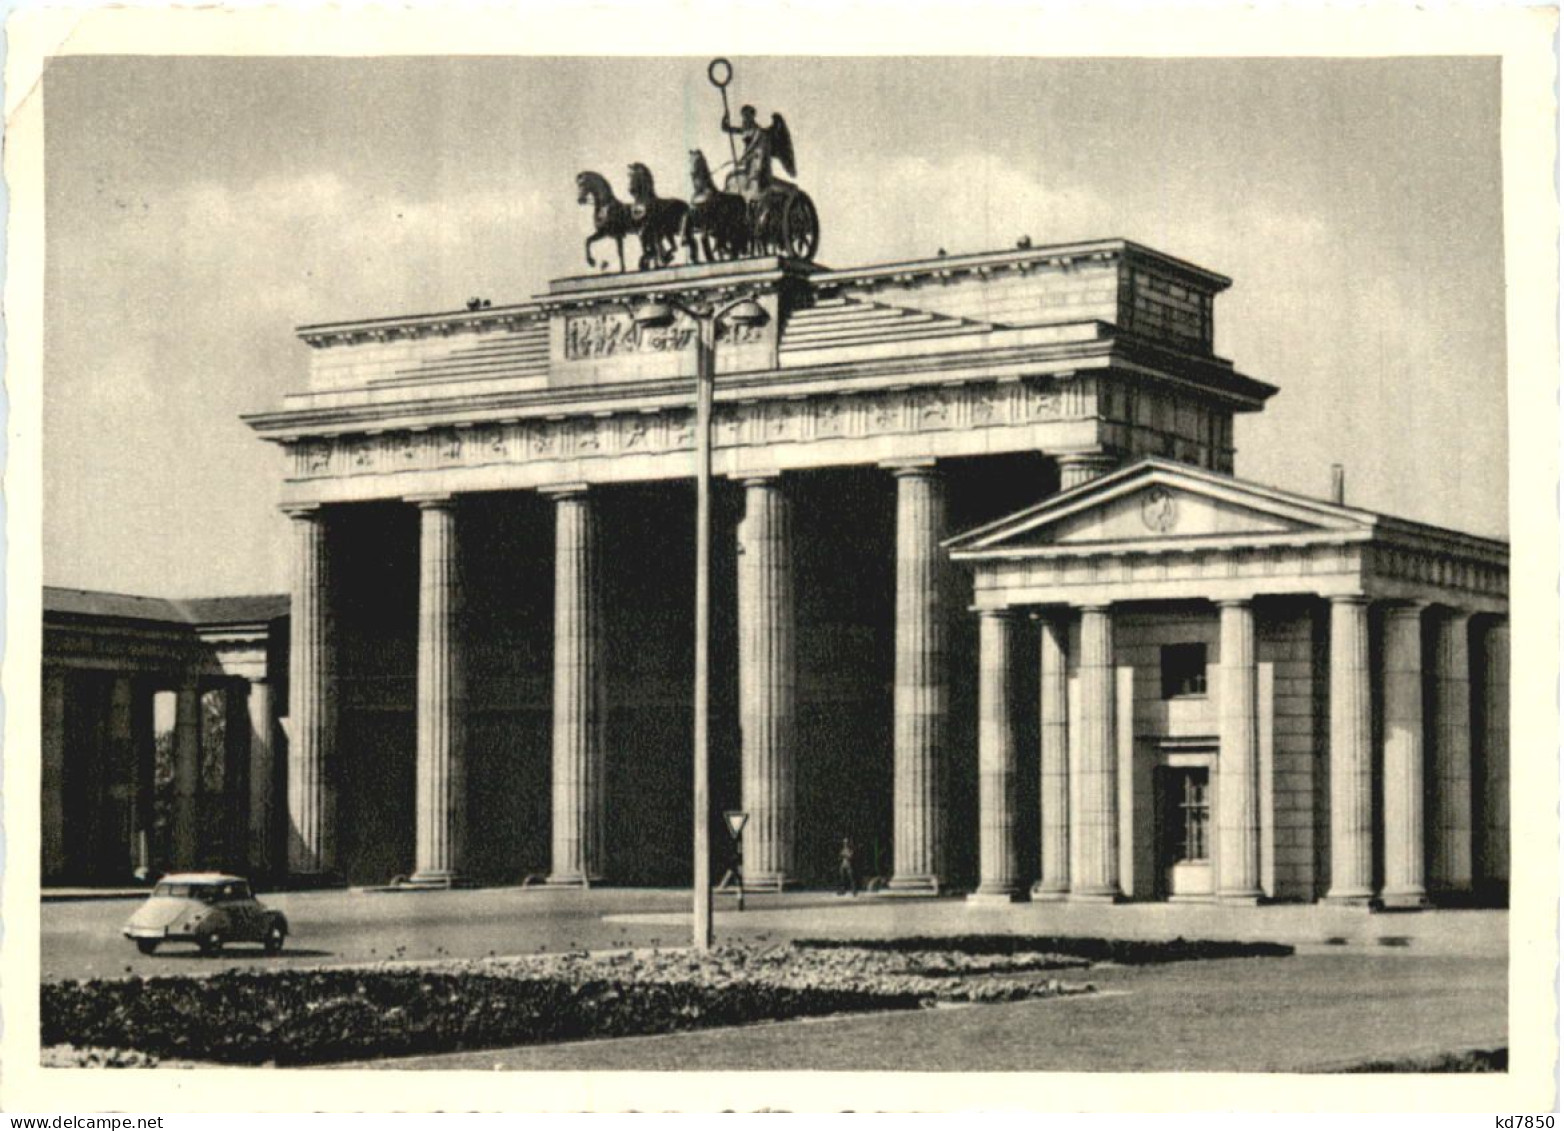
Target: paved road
[(81, 939)]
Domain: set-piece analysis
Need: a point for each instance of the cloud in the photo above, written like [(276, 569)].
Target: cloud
[(973, 202)]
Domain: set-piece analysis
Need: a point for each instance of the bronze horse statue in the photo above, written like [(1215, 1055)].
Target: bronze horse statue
[(611, 217), (718, 222), (660, 220)]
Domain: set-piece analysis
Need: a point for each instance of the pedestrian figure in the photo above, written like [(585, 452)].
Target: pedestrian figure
[(847, 881)]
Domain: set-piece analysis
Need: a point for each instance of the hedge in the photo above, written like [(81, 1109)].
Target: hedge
[(292, 1016)]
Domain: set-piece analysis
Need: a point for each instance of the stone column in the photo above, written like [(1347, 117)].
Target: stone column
[(768, 682), (1054, 775), (1450, 847), (997, 633), (121, 768), (1351, 761), (1493, 829), (52, 771), (922, 690), (1083, 467), (312, 732), (1403, 757), (579, 706), (261, 805), (441, 813), (1094, 785), (187, 777), (1238, 768)]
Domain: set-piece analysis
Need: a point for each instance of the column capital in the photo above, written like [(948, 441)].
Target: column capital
[(768, 477), (912, 468), (443, 500), (1234, 602), (1350, 598), (1002, 612), (1404, 608), (1095, 607), (301, 512), (558, 491)]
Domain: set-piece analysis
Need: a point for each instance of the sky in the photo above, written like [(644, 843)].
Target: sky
[(197, 210)]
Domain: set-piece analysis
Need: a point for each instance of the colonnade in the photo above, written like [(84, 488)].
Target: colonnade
[(1428, 836), (767, 677), (98, 770)]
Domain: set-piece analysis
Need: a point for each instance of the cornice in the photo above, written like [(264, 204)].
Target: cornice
[(1206, 378)]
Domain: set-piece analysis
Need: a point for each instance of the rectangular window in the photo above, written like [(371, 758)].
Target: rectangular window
[(1183, 670), (1195, 808)]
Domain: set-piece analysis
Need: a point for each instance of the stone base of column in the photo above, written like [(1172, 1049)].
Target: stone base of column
[(768, 882), (432, 879), (1239, 898), (1050, 895), (1349, 898), (1412, 899), (1094, 896), (569, 880), (912, 885), (995, 897)]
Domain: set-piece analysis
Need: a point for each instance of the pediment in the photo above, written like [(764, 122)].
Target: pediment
[(1157, 500)]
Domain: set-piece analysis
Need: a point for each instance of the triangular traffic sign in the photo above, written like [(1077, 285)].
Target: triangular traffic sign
[(736, 822)]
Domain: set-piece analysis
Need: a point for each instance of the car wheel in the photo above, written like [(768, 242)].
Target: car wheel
[(211, 943), (274, 937), (147, 946)]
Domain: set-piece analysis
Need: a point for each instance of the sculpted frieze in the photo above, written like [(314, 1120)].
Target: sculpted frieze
[(599, 334), (756, 422)]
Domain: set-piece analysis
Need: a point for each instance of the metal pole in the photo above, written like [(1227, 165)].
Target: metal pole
[(705, 375)]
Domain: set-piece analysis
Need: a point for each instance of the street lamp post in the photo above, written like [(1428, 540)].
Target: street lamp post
[(740, 312)]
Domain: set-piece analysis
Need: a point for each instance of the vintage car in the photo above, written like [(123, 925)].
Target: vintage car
[(208, 909)]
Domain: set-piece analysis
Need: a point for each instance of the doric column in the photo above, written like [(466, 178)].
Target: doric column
[(121, 753), (922, 691), (187, 776), (1094, 785), (1493, 829), (312, 729), (441, 792), (262, 805), (579, 706), (768, 682), (1403, 757), (1450, 847), (997, 633), (1238, 768), (1083, 467), (1351, 762), (52, 751), (1054, 772)]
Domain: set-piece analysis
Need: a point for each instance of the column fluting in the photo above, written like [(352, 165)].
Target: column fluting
[(1405, 843), (768, 681), (1450, 845), (579, 795), (1094, 784), (1494, 827), (921, 696), (998, 630), (1054, 770), (441, 793), (262, 804), (1238, 767), (1351, 761), (311, 703), (187, 777)]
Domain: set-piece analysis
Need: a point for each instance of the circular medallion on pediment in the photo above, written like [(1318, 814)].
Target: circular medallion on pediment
[(1159, 510)]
